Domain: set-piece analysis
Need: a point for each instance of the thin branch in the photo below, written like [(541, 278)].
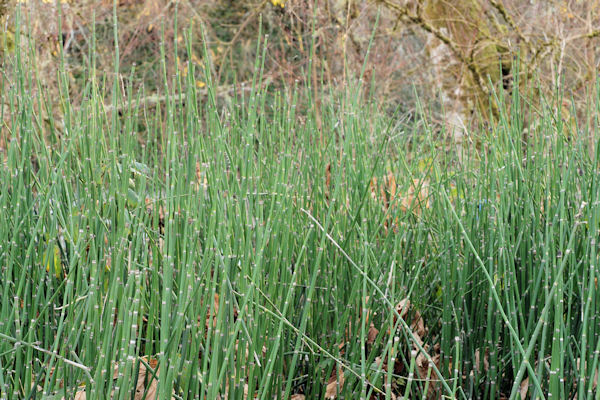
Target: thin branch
[(238, 33), (19, 343), (590, 35), (418, 20), (510, 21), (154, 99)]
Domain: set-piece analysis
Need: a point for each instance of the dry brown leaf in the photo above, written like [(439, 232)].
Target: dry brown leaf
[(390, 186), (150, 394), (402, 307), (372, 334), (161, 213), (595, 382), (336, 382), (201, 178), (524, 388), (215, 311), (414, 200), (80, 395), (417, 324), (486, 361), (247, 350), (297, 397), (382, 193), (368, 311), (383, 199), (226, 394), (373, 185), (425, 369), (146, 382), (385, 191)]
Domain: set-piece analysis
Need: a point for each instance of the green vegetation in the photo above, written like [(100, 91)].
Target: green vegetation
[(265, 249)]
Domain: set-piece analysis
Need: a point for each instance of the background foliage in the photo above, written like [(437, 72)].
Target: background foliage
[(445, 51)]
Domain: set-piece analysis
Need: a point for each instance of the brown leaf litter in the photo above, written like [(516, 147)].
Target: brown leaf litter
[(424, 369), (386, 192), (146, 382), (335, 384)]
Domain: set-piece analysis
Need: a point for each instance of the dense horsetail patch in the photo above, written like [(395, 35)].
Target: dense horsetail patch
[(267, 248)]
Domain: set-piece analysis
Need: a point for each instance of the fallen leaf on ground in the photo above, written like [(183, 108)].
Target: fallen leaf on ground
[(425, 370), (215, 311), (486, 362), (372, 334), (424, 366), (416, 196), (80, 396), (524, 388), (226, 394), (417, 324), (336, 382), (201, 179), (595, 382), (146, 382)]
